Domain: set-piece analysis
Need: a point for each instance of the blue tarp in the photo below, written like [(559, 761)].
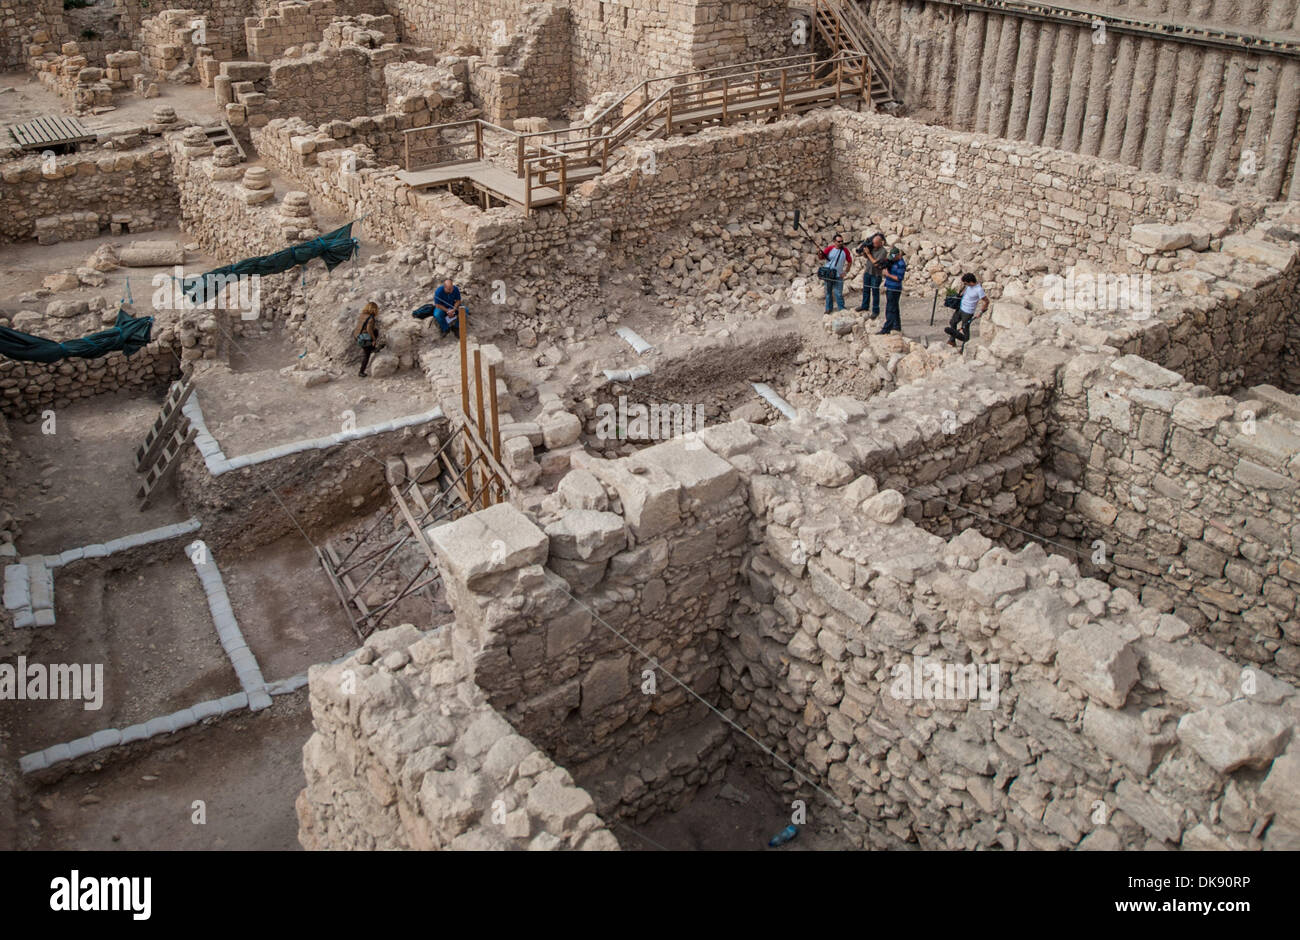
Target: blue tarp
[(128, 334)]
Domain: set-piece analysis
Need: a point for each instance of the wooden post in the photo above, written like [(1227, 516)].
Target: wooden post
[(668, 120), (406, 150), (478, 140), (564, 183), (604, 156), (780, 96), (462, 322), (725, 86), (496, 426), (485, 495), (519, 150)]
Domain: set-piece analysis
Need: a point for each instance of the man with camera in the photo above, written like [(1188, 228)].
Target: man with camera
[(894, 272), (875, 253)]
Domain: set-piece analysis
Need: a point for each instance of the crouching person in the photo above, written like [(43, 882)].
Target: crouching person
[(448, 306), (974, 301)]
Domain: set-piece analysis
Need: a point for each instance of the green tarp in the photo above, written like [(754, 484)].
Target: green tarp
[(129, 334), (333, 248)]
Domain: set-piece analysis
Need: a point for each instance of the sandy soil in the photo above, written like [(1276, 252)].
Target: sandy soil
[(738, 815), (152, 632), (247, 770), (77, 486), (287, 611), (30, 99), (252, 406)]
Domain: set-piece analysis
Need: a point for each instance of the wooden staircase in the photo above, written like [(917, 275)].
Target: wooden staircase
[(549, 163), (223, 135), (845, 27)]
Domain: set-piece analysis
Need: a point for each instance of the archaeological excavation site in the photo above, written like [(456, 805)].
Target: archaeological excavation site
[(650, 425)]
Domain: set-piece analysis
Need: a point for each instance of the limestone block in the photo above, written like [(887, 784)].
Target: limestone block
[(605, 683), (587, 535), (1280, 791), (825, 468), (702, 474), (1095, 658), (151, 254), (1239, 734), (1123, 736), (1034, 622), (560, 429), (499, 538), (1153, 236), (581, 490)]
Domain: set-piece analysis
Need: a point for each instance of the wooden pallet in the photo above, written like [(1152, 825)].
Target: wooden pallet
[(49, 131)]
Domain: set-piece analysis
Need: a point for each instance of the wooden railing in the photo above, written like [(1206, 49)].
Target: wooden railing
[(845, 26), (670, 105)]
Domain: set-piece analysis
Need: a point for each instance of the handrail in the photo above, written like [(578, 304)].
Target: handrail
[(694, 96)]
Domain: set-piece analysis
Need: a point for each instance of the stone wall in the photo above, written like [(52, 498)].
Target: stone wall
[(28, 388), (463, 780), (24, 23), (1071, 715), (290, 23), (136, 183), (1001, 195), (171, 40), (336, 83), (1149, 102), (1194, 495), (643, 551)]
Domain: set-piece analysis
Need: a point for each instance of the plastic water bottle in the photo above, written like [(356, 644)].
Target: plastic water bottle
[(784, 836)]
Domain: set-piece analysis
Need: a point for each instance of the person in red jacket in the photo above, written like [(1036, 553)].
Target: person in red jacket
[(838, 258)]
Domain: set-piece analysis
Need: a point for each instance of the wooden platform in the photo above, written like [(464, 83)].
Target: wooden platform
[(50, 131), (491, 179)]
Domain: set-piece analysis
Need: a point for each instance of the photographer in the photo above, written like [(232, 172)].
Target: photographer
[(895, 271), (832, 273), (875, 252), (973, 301)]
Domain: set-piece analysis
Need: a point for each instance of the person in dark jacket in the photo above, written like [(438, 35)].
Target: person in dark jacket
[(367, 334), (895, 271)]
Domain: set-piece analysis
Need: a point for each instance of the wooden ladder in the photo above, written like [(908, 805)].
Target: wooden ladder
[(168, 458), (177, 395), (156, 458)]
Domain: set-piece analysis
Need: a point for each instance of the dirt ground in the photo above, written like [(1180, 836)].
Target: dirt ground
[(251, 406), (152, 632), (77, 486), (247, 770), (740, 814), (30, 99), (286, 609), (24, 266)]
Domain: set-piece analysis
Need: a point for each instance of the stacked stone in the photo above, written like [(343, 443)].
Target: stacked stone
[(462, 781), (138, 183), (295, 212), (195, 143), (226, 162), (257, 185)]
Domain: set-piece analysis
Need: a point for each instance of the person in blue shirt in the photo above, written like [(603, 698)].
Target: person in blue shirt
[(448, 306), (895, 271)]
